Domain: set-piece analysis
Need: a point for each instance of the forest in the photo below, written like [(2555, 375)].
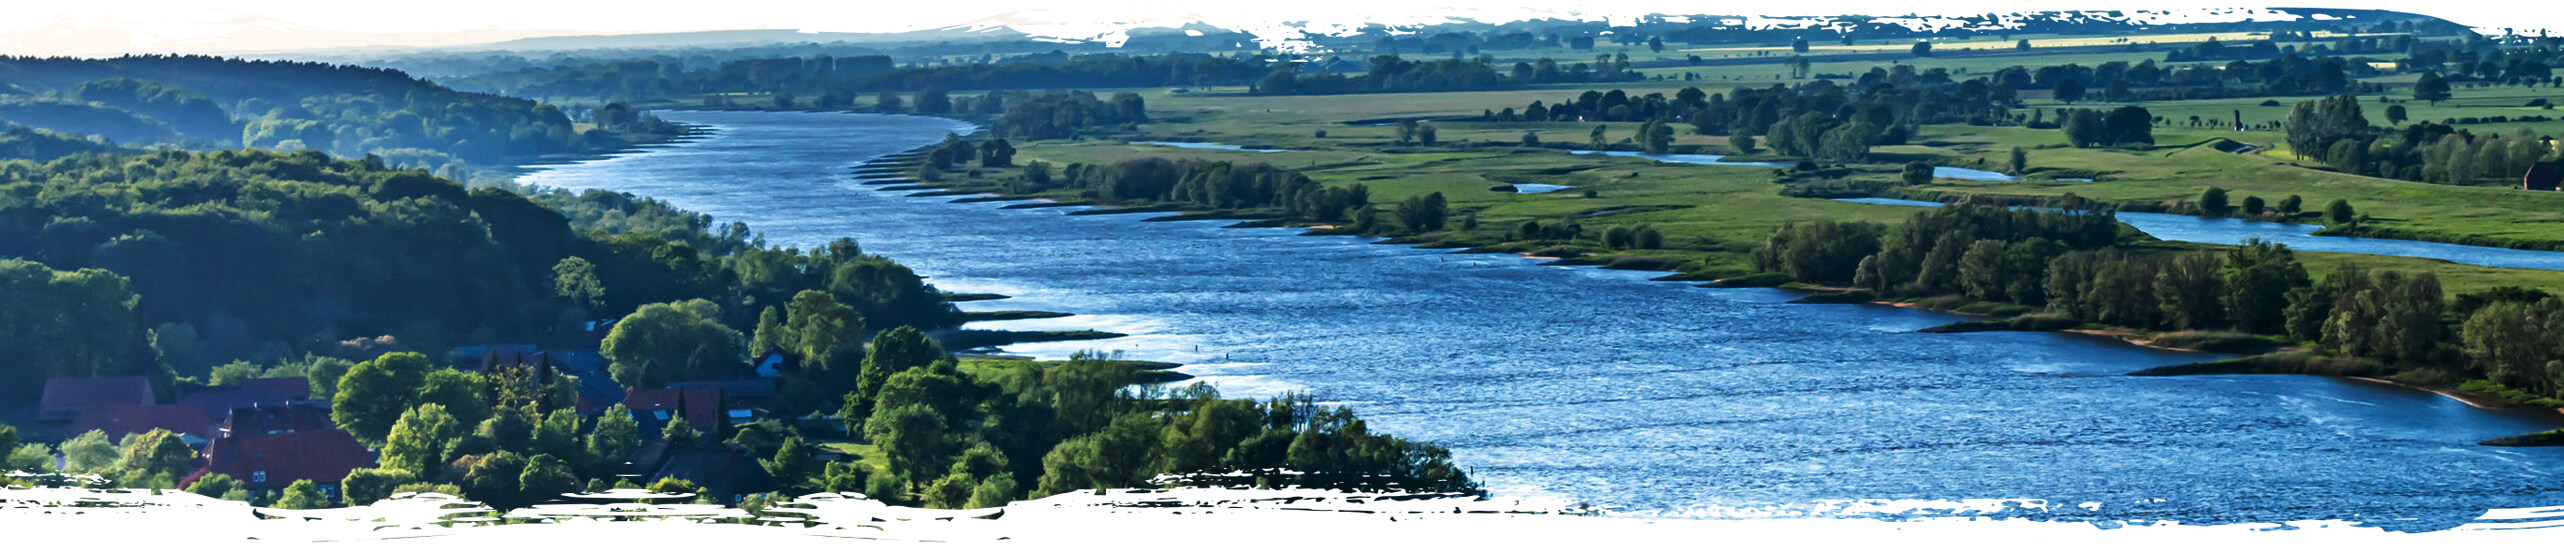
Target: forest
[(207, 103), (263, 255)]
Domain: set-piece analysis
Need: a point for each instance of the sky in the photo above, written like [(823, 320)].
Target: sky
[(108, 27)]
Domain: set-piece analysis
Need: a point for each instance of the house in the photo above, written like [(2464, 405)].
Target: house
[(218, 401), (468, 357), (596, 387), (741, 401), (267, 463), (191, 423), (2542, 176), (64, 399), (277, 419), (699, 406)]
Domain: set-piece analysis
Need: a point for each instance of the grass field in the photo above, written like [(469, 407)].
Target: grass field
[(1713, 214)]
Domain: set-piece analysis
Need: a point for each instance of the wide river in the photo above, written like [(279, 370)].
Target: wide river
[(1599, 386)]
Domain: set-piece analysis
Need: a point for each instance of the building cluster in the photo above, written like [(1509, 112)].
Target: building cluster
[(268, 433)]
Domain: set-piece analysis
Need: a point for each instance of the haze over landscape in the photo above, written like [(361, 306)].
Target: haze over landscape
[(780, 274)]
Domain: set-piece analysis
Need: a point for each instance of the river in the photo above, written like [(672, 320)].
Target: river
[(1600, 386)]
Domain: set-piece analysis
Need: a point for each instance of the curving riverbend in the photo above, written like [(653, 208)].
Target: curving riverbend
[(1599, 386)]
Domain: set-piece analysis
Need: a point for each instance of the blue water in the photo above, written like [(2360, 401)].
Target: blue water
[(1943, 172), (1537, 188), (2301, 237), (1600, 386), (1206, 146), (1695, 159)]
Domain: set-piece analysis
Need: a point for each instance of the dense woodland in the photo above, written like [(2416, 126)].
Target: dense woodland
[(260, 255), (2067, 262), (212, 103)]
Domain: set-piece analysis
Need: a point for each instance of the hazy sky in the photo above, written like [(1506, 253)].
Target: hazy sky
[(76, 27)]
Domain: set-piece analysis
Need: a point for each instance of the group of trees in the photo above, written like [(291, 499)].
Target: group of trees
[(209, 102), (1059, 115), (262, 255), (2336, 132), (1207, 184), (846, 78), (2063, 260), (958, 440), (2128, 126), (1389, 73)]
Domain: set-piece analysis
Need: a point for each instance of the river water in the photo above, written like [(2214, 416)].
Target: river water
[(1602, 387)]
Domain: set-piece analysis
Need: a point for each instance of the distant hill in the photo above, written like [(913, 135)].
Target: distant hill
[(345, 110)]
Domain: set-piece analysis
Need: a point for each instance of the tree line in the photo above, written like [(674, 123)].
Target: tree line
[(2065, 261)]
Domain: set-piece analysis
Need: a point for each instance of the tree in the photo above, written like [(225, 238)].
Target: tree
[(2257, 278), (2188, 291), (374, 394), (157, 457), (2069, 91), (461, 393), (1744, 143), (1655, 44), (1917, 173), (1922, 49), (826, 335), (616, 435), (544, 478), (303, 495), (1425, 213), (2339, 212), (912, 439), (221, 486), (1595, 140), (1659, 137), (1798, 45), (898, 349), (2431, 87), (2313, 126), (2395, 115), (558, 436), (666, 342), (1426, 134), (417, 444), (88, 453), (2212, 202), (2020, 161), (492, 479), (2022, 45), (2252, 205), (792, 462), (363, 486), (2291, 205), (1531, 138), (575, 279), (679, 433)]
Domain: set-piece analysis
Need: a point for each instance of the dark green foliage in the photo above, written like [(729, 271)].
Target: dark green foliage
[(1425, 213), (1917, 173), (84, 320), (1055, 115), (2339, 212), (2212, 202), (2120, 127)]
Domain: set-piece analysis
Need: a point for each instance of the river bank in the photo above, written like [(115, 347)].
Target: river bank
[(890, 174), (1524, 371)]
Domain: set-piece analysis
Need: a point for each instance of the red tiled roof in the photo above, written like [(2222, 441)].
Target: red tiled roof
[(277, 419), (65, 397), (220, 400), (702, 404), (323, 456), (123, 420)]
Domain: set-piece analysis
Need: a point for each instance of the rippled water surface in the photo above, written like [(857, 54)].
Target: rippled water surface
[(1600, 386)]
